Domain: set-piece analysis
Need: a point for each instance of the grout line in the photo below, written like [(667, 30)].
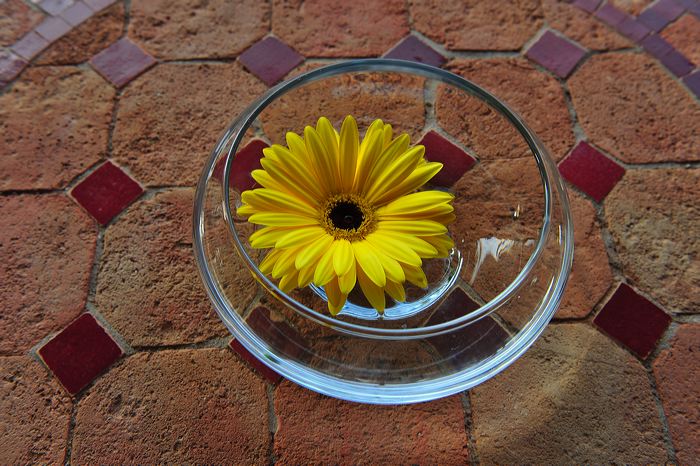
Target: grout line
[(113, 333), (127, 18), (273, 424), (68, 452), (216, 342), (579, 133), (667, 438), (469, 428)]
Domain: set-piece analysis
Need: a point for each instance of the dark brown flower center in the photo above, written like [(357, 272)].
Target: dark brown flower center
[(346, 215)]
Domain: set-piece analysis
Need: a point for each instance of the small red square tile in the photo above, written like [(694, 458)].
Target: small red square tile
[(661, 13), (677, 63), (279, 334), (455, 160), (245, 161), (412, 48), (633, 320), (98, 5), (610, 14), (106, 192), (270, 375), (586, 5), (121, 62), (693, 82), (53, 28), (557, 54), (633, 29), (11, 65), (76, 14), (30, 45), (81, 352), (54, 7), (591, 171), (270, 60)]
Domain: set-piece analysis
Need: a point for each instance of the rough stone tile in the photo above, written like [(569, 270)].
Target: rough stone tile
[(262, 369), (106, 192), (270, 60), (413, 49), (121, 62), (80, 353), (477, 25), (177, 29), (557, 54), (47, 245), (610, 15), (630, 107), (11, 66), (55, 7), (580, 26), (588, 6), (41, 151), (187, 406), (170, 119), (148, 288), (77, 13), (633, 29), (35, 411), (455, 161), (633, 320), (246, 160), (650, 215), (684, 36), (87, 39), (416, 434), (533, 94), (677, 371), (30, 45), (337, 28), (591, 171), (553, 405), (692, 81), (677, 63), (53, 28), (16, 19), (660, 13), (397, 99), (590, 275)]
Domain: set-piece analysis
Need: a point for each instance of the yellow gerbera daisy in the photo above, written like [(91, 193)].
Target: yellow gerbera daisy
[(336, 211)]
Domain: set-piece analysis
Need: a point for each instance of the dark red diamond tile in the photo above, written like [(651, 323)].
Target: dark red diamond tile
[(633, 29), (413, 49), (270, 60), (53, 28), (30, 45), (632, 320), (11, 66), (660, 13), (591, 171), (55, 7), (693, 82), (676, 63), (610, 15), (471, 343), (656, 45), (455, 161), (98, 5), (121, 62), (246, 160), (557, 54), (270, 375), (81, 352), (279, 335), (586, 5), (76, 14), (106, 192)]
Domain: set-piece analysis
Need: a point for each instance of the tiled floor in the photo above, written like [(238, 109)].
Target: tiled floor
[(110, 352)]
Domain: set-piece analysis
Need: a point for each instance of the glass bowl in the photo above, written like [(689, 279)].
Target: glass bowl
[(484, 305)]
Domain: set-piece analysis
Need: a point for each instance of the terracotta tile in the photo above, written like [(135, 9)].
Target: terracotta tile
[(246, 160), (610, 15), (632, 320), (555, 53), (11, 66), (684, 35), (660, 13), (98, 5), (106, 192), (53, 28), (81, 352), (586, 5), (270, 60), (121, 62), (413, 49), (269, 375), (676, 63), (633, 29), (455, 161), (55, 7), (30, 45), (693, 82), (77, 13), (591, 171)]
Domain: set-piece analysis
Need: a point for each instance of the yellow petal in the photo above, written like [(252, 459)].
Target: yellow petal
[(347, 281), (373, 293), (349, 143), (368, 261), (397, 147), (421, 247), (393, 248), (297, 168), (320, 159), (396, 291), (344, 258), (442, 243), (300, 236), (424, 202), (421, 175), (387, 134), (285, 183), (310, 254), (324, 270), (306, 275), (325, 130), (336, 298), (275, 219), (412, 227), (267, 237), (370, 149), (392, 268), (395, 173), (270, 200), (285, 262), (416, 276), (289, 281), (269, 261)]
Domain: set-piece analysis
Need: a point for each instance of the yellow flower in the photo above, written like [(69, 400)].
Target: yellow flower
[(336, 211)]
